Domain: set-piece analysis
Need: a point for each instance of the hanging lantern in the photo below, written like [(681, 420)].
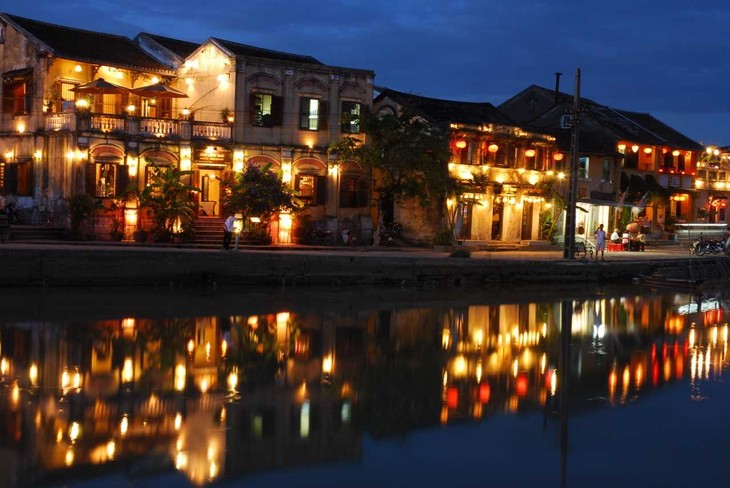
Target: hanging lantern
[(622, 147), (675, 153), (530, 153), (558, 156), (635, 148), (493, 148), (647, 150), (460, 144)]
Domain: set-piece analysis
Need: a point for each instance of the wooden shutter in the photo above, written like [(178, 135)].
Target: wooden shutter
[(323, 115), (8, 100), (252, 108), (321, 190), (91, 179), (11, 178), (122, 180), (277, 111)]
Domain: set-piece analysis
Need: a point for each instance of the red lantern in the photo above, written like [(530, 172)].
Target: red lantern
[(460, 144), (522, 383), (452, 397), (484, 393)]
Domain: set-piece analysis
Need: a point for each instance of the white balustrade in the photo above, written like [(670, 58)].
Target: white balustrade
[(61, 121)]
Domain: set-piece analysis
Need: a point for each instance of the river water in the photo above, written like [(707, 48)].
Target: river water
[(507, 386)]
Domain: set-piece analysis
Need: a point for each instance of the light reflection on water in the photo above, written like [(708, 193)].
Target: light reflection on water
[(359, 388)]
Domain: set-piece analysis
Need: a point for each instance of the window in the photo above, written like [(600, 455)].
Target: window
[(18, 179), (17, 93), (583, 168), (606, 172), (106, 179), (350, 119), (311, 188), (312, 114), (266, 110), (353, 191)]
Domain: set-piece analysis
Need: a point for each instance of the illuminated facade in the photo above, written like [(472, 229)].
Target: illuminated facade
[(511, 172), (209, 108)]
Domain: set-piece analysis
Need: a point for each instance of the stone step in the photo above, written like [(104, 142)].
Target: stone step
[(36, 233)]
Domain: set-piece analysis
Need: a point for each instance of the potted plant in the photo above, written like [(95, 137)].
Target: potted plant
[(81, 206), (444, 240), (140, 235), (226, 115)]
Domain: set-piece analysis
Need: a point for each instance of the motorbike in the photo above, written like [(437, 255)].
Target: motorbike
[(389, 233), (704, 246)]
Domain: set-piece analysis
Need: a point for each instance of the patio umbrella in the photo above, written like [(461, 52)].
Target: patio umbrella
[(158, 90), (100, 87)]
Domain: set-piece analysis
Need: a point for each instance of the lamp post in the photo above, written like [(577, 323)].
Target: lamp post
[(569, 241)]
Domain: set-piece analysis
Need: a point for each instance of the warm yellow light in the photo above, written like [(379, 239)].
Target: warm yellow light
[(189, 81), (124, 425), (65, 379), (445, 338), (635, 148), (3, 366), (9, 155), (493, 148), (186, 111), (119, 75), (533, 179), (155, 80), (33, 374), (69, 457), (131, 108), (37, 155), (178, 421), (180, 374), (461, 367), (20, 126), (77, 380), (561, 175), (74, 431), (207, 351), (530, 153), (15, 394), (78, 68), (191, 346), (479, 337), (648, 150), (233, 380), (558, 156), (204, 385), (111, 448), (460, 144), (327, 364), (82, 103), (127, 370), (622, 147), (675, 153), (255, 220)]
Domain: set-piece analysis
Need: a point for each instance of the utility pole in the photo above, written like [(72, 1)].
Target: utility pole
[(569, 241)]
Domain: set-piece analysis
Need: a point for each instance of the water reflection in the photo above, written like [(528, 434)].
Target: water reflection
[(228, 396)]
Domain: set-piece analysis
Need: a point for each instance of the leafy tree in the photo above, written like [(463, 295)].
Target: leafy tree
[(408, 157), (81, 206), (258, 192), (169, 200)]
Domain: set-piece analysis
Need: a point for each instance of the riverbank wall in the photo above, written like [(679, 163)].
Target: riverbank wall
[(171, 267)]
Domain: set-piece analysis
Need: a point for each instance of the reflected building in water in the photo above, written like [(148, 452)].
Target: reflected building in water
[(230, 396)]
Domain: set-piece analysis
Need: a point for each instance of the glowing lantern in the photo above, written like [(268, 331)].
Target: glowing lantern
[(647, 150), (460, 144), (452, 397), (521, 387), (484, 393), (530, 153), (493, 148), (675, 153), (558, 156), (635, 148)]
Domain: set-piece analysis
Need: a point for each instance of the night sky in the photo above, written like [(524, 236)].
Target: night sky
[(668, 58)]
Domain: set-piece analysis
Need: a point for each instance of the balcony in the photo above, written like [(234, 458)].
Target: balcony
[(60, 121), (212, 131)]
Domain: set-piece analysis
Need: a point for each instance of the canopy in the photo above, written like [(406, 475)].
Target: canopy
[(158, 90), (100, 87)]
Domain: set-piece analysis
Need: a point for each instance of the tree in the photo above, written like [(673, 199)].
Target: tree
[(258, 192), (169, 200), (408, 157)]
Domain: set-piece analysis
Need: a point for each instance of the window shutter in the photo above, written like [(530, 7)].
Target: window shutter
[(28, 98), (91, 179), (321, 190), (122, 180), (252, 108), (277, 110), (8, 101), (304, 113), (323, 115), (11, 178)]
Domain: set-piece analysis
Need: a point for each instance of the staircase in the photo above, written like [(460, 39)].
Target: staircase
[(208, 233), (30, 233)]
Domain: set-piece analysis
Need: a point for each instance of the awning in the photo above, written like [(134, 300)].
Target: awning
[(17, 75), (598, 202)]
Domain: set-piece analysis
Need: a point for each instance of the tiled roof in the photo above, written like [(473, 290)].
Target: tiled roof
[(258, 52), (87, 46), (449, 111), (176, 46)]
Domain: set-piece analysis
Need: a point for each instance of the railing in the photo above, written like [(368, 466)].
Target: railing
[(693, 231), (159, 127), (60, 121), (209, 130), (107, 123)]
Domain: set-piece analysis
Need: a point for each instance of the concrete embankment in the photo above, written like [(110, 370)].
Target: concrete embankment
[(81, 266)]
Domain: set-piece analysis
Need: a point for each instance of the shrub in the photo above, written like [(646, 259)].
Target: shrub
[(444, 237), (460, 253)]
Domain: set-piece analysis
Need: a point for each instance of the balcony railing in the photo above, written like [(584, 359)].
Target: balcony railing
[(145, 126), (60, 121), (213, 131)]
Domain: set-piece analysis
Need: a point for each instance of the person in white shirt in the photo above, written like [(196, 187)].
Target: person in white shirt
[(616, 237), (228, 232)]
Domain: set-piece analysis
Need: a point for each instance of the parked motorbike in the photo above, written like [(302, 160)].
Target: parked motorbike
[(704, 246), (319, 236), (390, 232)]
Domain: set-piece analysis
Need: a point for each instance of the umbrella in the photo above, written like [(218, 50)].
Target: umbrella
[(100, 87), (158, 90)]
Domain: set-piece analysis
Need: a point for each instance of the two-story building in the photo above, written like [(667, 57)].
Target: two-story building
[(88, 112), (507, 169), (631, 166)]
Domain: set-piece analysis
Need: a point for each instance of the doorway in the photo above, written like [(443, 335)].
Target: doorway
[(209, 183), (526, 233), (497, 209)]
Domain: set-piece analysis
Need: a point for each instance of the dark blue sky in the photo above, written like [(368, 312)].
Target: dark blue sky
[(668, 58)]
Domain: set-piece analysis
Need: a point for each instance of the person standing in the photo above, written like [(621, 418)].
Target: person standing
[(600, 237), (228, 232)]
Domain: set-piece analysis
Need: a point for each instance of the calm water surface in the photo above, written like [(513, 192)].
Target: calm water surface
[(366, 387)]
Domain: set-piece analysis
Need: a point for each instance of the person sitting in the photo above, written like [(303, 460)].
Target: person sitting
[(615, 237), (625, 240), (640, 242), (347, 237)]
